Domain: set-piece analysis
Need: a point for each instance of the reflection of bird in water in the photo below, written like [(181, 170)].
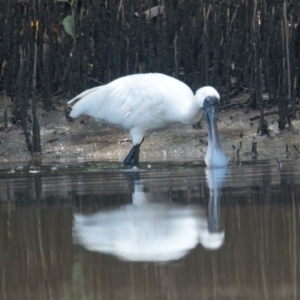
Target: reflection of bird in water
[(144, 103), (149, 231), (215, 180)]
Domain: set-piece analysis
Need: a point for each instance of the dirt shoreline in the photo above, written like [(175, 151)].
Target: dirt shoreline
[(87, 140)]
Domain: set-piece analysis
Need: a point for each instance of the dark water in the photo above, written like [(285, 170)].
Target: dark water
[(173, 231)]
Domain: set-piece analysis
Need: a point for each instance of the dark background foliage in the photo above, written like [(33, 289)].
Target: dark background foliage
[(249, 46)]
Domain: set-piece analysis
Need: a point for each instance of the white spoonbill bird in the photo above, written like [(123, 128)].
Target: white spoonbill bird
[(144, 103)]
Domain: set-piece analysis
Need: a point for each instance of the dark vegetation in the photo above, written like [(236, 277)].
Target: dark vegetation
[(249, 46)]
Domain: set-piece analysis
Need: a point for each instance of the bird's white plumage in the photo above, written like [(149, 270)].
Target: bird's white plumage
[(202, 93), (140, 103), (143, 103)]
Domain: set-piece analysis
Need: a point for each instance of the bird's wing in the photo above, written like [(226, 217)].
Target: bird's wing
[(140, 100)]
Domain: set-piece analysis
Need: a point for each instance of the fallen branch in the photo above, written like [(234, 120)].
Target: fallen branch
[(265, 114), (90, 78), (273, 112), (233, 104)]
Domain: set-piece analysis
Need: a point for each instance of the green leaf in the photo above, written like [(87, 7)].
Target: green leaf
[(68, 23)]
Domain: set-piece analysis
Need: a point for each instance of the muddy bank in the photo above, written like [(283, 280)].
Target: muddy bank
[(84, 139)]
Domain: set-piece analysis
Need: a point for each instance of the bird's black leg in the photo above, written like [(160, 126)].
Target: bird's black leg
[(136, 156), (129, 158), (133, 156)]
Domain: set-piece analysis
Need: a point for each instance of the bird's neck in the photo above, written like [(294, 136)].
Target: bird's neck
[(193, 113)]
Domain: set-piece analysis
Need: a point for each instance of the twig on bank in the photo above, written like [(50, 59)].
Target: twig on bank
[(296, 149), (254, 148), (278, 162), (238, 150)]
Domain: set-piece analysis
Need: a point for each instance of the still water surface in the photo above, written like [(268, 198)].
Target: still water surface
[(172, 231)]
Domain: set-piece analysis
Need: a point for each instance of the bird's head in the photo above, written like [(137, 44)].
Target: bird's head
[(207, 94)]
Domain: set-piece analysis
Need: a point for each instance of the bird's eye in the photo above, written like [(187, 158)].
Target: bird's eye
[(208, 101)]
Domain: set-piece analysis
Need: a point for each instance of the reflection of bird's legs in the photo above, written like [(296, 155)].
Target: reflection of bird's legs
[(133, 156)]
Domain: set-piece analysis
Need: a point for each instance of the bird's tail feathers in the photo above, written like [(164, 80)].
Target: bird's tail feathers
[(73, 101), (81, 103)]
